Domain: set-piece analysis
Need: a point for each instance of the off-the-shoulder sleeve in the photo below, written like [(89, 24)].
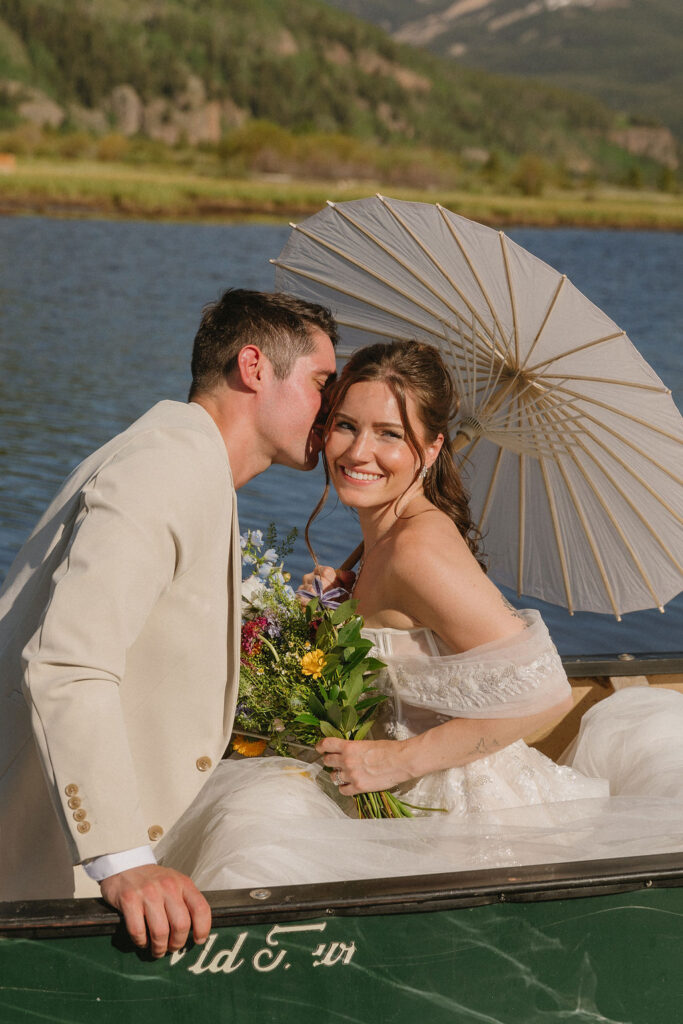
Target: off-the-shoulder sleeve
[(512, 678)]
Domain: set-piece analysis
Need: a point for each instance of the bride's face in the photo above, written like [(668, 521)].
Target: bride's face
[(370, 460)]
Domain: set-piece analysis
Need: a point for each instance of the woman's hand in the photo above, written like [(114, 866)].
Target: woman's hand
[(329, 578), (365, 766)]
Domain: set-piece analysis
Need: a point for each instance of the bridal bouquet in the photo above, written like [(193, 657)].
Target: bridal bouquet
[(305, 671)]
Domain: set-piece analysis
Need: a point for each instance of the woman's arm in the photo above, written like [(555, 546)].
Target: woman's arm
[(381, 764)]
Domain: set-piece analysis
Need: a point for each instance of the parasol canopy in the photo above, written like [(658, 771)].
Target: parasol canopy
[(570, 443)]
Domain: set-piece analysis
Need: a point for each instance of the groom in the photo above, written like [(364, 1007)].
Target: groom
[(119, 621)]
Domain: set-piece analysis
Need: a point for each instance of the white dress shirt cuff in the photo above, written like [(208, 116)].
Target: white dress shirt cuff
[(111, 863)]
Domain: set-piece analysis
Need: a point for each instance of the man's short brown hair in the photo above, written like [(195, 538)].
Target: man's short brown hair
[(278, 324)]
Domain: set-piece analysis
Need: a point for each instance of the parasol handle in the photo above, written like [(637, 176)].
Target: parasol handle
[(460, 441), (354, 557)]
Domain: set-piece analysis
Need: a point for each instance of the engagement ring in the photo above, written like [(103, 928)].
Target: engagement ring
[(337, 779)]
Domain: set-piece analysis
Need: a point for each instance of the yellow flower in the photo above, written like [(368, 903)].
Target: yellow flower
[(248, 747), (313, 663)]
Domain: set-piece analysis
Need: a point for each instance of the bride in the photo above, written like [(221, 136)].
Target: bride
[(467, 676)]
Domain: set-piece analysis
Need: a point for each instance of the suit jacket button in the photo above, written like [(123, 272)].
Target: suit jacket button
[(155, 832), (74, 802), (204, 763), (80, 814), (71, 789), (83, 827)]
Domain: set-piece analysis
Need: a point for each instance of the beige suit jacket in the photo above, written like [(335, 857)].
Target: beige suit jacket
[(119, 651)]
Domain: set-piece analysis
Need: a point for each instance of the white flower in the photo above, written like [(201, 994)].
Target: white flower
[(254, 592), (256, 537), (244, 540), (270, 556)]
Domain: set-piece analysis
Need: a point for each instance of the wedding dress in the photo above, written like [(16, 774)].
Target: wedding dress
[(276, 821)]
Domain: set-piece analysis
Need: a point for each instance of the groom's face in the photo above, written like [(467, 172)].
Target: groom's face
[(294, 404)]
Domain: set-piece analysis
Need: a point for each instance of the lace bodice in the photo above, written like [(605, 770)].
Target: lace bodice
[(509, 678)]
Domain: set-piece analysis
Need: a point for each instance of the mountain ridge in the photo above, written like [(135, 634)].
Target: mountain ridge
[(627, 53)]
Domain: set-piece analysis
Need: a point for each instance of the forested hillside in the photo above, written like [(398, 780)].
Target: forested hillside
[(259, 76), (628, 53)]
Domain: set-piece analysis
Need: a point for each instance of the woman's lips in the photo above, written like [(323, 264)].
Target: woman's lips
[(356, 476)]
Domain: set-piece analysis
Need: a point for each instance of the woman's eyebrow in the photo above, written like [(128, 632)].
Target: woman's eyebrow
[(342, 415)]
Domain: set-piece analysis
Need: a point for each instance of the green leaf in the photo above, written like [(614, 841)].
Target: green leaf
[(343, 612), (326, 635), (348, 652), (331, 663), (349, 719), (373, 665), (370, 702), (329, 730), (334, 692), (364, 729), (333, 712), (357, 660), (347, 635), (353, 687), (307, 719), (316, 706)]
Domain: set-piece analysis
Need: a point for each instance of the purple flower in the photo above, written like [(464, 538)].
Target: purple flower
[(272, 627), (327, 598)]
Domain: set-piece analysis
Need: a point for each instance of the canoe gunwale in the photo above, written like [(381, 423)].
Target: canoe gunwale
[(638, 664), (376, 896)]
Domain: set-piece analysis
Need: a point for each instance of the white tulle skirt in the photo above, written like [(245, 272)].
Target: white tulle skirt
[(273, 821)]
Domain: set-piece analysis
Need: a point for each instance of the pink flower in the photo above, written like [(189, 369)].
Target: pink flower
[(251, 632)]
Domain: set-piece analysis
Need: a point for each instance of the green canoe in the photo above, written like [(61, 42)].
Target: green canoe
[(589, 941)]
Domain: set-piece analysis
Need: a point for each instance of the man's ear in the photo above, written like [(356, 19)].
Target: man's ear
[(251, 364)]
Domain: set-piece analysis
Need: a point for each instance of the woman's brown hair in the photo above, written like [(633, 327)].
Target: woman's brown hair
[(416, 369)]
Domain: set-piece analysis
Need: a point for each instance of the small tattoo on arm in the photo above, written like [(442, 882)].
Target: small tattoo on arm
[(482, 748), (511, 608)]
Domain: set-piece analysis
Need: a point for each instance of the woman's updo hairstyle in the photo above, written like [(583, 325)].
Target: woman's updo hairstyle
[(416, 369)]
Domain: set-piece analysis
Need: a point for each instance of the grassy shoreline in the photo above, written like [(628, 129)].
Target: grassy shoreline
[(96, 189)]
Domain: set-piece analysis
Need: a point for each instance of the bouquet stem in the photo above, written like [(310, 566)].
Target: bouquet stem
[(382, 804)]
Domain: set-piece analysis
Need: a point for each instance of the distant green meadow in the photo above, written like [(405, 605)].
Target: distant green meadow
[(96, 189)]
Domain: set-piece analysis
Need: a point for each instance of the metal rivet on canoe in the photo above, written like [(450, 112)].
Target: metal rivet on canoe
[(260, 894)]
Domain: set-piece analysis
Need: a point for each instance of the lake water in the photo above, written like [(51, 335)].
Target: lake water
[(96, 324)]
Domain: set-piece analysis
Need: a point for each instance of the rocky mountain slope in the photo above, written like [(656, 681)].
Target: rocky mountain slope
[(190, 71), (628, 53)]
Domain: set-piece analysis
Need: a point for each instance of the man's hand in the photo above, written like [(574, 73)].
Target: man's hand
[(160, 901)]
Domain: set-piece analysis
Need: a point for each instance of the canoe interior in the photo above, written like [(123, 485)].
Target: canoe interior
[(587, 690)]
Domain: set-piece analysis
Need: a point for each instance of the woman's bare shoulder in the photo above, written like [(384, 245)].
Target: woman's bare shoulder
[(429, 540), (443, 587)]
